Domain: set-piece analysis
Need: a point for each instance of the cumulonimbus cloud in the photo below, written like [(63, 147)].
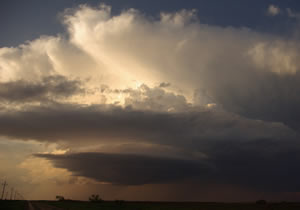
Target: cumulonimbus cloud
[(233, 164), (232, 65), (232, 89), (139, 169)]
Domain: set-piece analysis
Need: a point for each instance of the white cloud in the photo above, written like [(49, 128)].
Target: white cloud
[(130, 48), (118, 50), (292, 14), (279, 56), (273, 10), (124, 50)]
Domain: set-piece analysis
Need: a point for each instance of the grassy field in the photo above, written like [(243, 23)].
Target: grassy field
[(13, 205), (77, 205)]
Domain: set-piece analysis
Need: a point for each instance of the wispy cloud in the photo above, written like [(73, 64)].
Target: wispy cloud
[(273, 10), (292, 14)]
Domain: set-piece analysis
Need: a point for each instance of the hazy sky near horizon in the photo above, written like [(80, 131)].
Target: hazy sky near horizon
[(139, 100)]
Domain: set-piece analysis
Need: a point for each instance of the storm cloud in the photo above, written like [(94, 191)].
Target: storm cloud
[(128, 169), (231, 164), (109, 123), (49, 88), (213, 105), (209, 146), (262, 95)]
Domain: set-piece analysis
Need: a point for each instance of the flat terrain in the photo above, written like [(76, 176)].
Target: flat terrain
[(13, 205), (77, 205), (80, 205)]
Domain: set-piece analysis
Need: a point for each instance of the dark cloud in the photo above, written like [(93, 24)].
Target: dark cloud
[(74, 123), (128, 169), (231, 164), (164, 84), (48, 88), (226, 149), (263, 165), (257, 94), (231, 150)]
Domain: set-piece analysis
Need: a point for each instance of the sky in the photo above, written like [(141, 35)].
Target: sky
[(150, 100)]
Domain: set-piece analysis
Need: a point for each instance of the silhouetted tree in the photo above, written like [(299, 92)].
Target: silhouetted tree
[(95, 198), (261, 202), (60, 198)]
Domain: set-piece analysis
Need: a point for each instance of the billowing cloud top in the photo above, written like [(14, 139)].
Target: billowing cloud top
[(206, 103)]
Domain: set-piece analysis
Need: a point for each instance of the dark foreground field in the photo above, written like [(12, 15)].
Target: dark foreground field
[(80, 205), (171, 206), (13, 205)]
